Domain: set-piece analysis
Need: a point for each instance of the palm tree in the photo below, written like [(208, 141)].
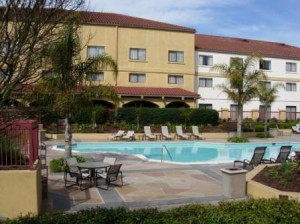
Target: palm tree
[(64, 88), (241, 86), (267, 95)]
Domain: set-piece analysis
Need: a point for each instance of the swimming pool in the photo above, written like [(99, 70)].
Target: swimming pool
[(183, 152)]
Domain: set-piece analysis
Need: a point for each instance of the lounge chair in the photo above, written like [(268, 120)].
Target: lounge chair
[(196, 133), (117, 135), (165, 133), (256, 159), (296, 129), (129, 136), (72, 171), (283, 155), (148, 133), (180, 134), (112, 175)]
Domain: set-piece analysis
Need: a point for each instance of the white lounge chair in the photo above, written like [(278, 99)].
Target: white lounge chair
[(117, 135), (129, 136), (296, 129), (165, 132), (180, 134), (196, 133), (148, 133)]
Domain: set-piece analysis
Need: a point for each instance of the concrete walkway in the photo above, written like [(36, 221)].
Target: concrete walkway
[(146, 184)]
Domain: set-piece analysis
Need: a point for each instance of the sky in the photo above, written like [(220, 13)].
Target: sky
[(268, 20)]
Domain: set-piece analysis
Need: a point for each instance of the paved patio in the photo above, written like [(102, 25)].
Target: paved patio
[(146, 184)]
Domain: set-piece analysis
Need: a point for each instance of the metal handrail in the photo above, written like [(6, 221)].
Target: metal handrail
[(162, 151)]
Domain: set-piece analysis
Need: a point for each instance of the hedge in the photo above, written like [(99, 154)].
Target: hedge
[(147, 116), (260, 211)]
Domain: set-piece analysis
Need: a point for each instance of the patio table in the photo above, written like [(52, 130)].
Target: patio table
[(92, 166)]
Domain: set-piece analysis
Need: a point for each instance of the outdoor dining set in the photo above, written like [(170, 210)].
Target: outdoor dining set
[(99, 174)]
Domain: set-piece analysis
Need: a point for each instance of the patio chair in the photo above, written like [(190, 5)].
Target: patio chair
[(196, 133), (180, 134), (148, 133), (296, 129), (165, 133), (117, 135), (256, 159), (129, 136), (283, 155), (72, 171), (109, 160), (111, 177)]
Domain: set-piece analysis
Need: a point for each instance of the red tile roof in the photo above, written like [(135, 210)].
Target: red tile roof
[(245, 46), (154, 92), (113, 19)]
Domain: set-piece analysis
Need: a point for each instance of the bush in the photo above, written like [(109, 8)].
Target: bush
[(263, 135), (57, 165), (148, 116), (242, 211), (238, 139)]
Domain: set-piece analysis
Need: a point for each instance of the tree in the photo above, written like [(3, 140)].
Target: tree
[(241, 85), (26, 29), (64, 86), (267, 95)]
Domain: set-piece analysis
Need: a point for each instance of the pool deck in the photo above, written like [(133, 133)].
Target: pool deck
[(146, 184)]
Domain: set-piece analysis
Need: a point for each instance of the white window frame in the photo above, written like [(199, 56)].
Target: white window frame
[(175, 79), (291, 87), (137, 54), (95, 51), (291, 67), (95, 76), (137, 77), (205, 60), (265, 65), (205, 82), (176, 56)]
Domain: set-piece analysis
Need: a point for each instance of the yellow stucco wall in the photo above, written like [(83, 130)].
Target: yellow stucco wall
[(20, 192), (118, 40)]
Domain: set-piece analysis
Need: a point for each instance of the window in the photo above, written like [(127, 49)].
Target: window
[(290, 113), (267, 85), (265, 65), (262, 112), (205, 60), (233, 112), (138, 78), (96, 76), (291, 87), (94, 51), (137, 54), (291, 67), (236, 60), (175, 79), (176, 56), (205, 106), (205, 82)]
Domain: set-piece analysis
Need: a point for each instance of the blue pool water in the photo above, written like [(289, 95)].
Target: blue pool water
[(183, 152)]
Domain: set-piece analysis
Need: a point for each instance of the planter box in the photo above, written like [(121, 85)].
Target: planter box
[(258, 190)]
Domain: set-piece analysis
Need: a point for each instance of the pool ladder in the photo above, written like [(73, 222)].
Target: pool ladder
[(162, 153)]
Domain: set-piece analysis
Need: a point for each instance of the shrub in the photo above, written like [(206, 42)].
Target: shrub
[(238, 139), (241, 211), (57, 165), (263, 135)]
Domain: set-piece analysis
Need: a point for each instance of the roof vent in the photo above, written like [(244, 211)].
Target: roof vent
[(245, 40)]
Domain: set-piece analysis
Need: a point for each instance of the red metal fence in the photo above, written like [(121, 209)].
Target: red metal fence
[(18, 144)]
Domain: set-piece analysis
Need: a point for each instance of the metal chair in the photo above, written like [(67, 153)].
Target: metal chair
[(113, 175), (72, 171)]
